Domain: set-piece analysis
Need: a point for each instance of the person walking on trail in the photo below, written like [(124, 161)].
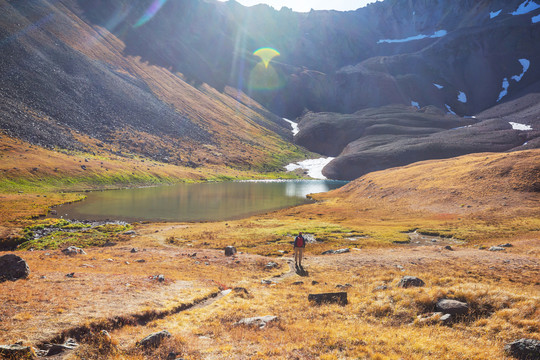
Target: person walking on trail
[(299, 245)]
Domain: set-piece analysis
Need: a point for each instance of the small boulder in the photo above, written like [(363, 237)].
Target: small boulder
[(507, 245), (497, 248), (524, 349), (452, 307), (56, 349), (448, 247), (73, 250), (328, 252), (17, 351), (129, 232), (298, 283), (259, 321), (380, 288), (342, 251), (271, 265), (230, 250), (329, 298), (134, 250), (154, 340), (410, 281), (13, 267)]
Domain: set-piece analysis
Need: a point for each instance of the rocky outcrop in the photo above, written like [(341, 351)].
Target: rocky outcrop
[(17, 351), (13, 267), (258, 321), (155, 339), (452, 307)]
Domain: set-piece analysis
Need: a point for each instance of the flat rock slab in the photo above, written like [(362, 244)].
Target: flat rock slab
[(13, 267), (524, 349), (258, 321), (329, 298), (73, 250), (16, 352)]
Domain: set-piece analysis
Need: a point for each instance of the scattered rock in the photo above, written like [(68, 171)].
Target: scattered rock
[(130, 232), (271, 265), (140, 261), (259, 321), (13, 267), (524, 349), (70, 275), (327, 252), (381, 287), (448, 247), (17, 351), (432, 318), (497, 248), (445, 318), (314, 282), (345, 286), (230, 250), (134, 250), (83, 167), (332, 298), (410, 281), (160, 278), (401, 241), (298, 283), (73, 250), (507, 245), (267, 282), (453, 307), (342, 251), (154, 340), (53, 212), (56, 349)]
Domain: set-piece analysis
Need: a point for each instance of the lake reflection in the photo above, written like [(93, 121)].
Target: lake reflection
[(195, 202)]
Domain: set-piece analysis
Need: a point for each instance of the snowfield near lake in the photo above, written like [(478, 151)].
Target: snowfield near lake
[(504, 92), (462, 97), (526, 7), (525, 63), (522, 127), (494, 14), (313, 166)]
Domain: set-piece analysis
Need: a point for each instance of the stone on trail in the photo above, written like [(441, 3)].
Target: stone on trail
[(410, 281), (452, 307), (13, 267), (73, 250), (154, 340), (230, 251), (271, 265), (524, 349), (17, 351), (342, 251), (56, 349), (497, 248), (259, 321)]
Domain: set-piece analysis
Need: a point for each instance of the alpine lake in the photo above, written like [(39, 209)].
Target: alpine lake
[(193, 202)]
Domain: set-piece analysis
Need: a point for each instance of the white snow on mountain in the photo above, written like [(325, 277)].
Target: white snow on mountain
[(438, 86), (462, 97), (294, 126), (526, 7), (450, 111), (494, 14), (522, 127), (525, 63), (437, 34), (313, 166), (535, 19), (415, 104), (504, 92)]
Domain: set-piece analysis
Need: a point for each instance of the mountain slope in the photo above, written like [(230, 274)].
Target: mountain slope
[(62, 79)]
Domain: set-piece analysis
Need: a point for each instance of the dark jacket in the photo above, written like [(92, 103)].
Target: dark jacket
[(300, 239)]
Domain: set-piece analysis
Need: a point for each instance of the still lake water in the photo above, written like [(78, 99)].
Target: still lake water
[(195, 202)]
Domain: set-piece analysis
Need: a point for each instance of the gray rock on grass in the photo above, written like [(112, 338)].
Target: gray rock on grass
[(410, 281), (154, 340), (13, 267), (524, 349), (17, 351), (230, 251), (258, 321), (452, 307), (73, 250)]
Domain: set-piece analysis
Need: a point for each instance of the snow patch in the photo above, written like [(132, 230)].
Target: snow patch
[(294, 125), (525, 63), (522, 127), (504, 92), (535, 19), (438, 86), (494, 14), (313, 166), (437, 34), (526, 7), (462, 97), (450, 111), (415, 104)]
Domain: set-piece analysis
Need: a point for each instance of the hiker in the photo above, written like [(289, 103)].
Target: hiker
[(299, 245)]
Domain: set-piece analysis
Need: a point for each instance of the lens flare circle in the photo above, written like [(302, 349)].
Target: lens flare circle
[(266, 54)]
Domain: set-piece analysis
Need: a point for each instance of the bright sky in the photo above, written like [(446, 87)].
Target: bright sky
[(307, 5)]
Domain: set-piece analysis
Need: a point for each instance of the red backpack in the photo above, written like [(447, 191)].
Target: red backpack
[(299, 241)]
